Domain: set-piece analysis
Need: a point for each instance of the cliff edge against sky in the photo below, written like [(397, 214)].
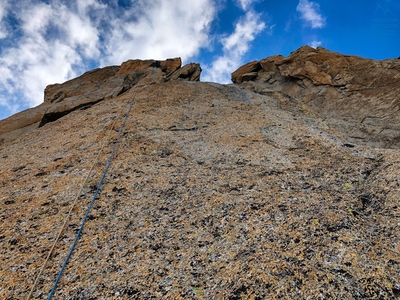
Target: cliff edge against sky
[(283, 185)]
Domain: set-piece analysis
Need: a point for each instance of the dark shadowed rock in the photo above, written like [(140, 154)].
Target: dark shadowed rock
[(249, 76), (254, 66), (189, 72)]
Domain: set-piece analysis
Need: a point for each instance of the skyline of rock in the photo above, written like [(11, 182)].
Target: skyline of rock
[(285, 185)]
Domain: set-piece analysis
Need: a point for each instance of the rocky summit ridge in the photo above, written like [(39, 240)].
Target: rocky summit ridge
[(360, 95), (282, 185), (95, 86)]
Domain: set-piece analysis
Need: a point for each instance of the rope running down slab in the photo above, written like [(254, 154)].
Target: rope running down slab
[(90, 205), (72, 206)]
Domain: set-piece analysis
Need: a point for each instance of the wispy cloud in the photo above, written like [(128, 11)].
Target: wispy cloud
[(48, 47), (235, 46), (3, 11), (62, 38), (309, 12), (161, 29), (315, 43), (245, 4)]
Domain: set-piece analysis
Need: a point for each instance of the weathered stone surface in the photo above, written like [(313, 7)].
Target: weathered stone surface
[(359, 95), (95, 86), (249, 76), (189, 72), (254, 66), (135, 65), (214, 192), (19, 123), (86, 83), (170, 65), (167, 66)]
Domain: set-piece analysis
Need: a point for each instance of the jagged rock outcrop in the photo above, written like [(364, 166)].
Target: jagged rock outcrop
[(359, 95), (246, 72), (214, 192), (191, 71), (95, 86)]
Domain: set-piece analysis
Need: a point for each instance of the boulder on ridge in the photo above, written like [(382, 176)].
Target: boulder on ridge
[(359, 95), (95, 86)]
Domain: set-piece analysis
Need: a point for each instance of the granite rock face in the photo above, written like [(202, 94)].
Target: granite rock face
[(95, 86), (359, 95), (214, 192), (250, 68)]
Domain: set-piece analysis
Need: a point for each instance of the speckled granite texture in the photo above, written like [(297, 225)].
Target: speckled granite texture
[(215, 192)]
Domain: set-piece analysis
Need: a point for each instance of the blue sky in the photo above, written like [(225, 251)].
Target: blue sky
[(51, 41)]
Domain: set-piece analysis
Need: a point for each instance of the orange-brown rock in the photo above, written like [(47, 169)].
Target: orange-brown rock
[(95, 86), (170, 65), (359, 95), (167, 66), (214, 192), (191, 71), (324, 67), (254, 66), (87, 83), (249, 76)]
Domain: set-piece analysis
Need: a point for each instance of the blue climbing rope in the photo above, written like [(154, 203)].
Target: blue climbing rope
[(90, 206)]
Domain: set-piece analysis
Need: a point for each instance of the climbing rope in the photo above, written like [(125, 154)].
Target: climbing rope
[(71, 209), (90, 205), (87, 212)]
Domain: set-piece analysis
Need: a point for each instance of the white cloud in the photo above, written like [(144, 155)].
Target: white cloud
[(40, 15), (309, 12), (234, 47), (63, 38), (3, 12), (85, 5), (55, 40), (160, 29), (81, 34), (315, 44), (59, 37), (246, 4), (35, 64)]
